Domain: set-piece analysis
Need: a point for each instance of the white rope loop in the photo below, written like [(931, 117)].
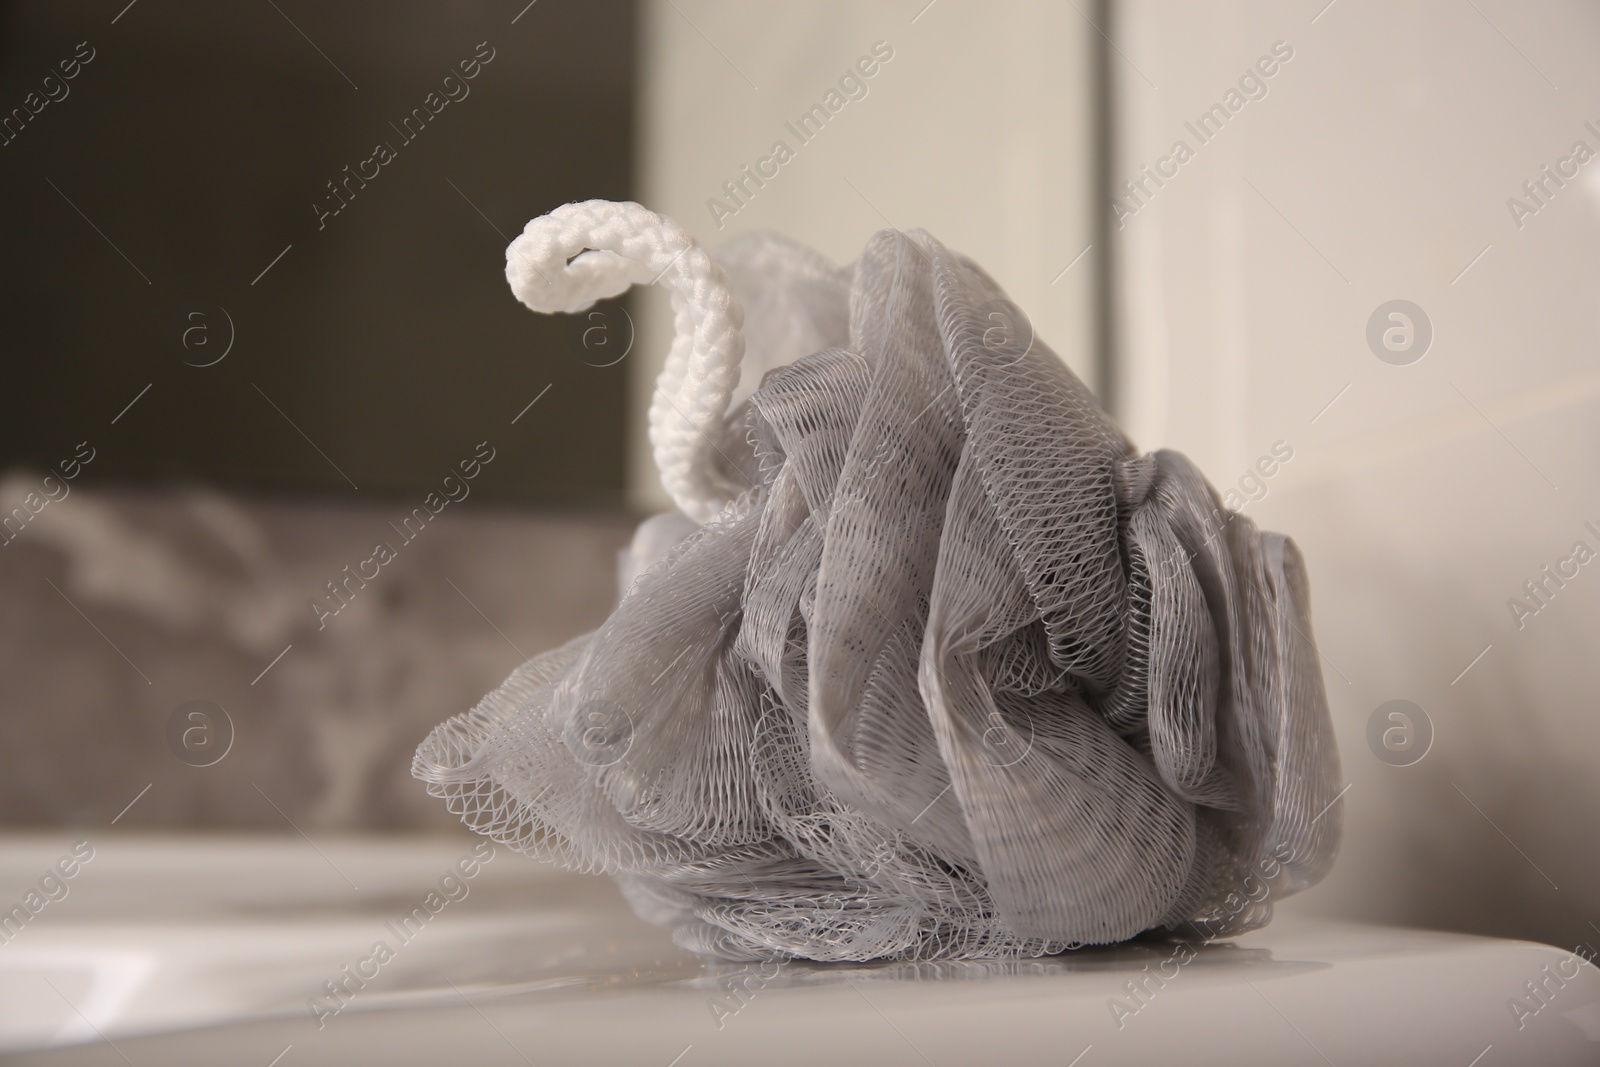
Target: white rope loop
[(581, 253)]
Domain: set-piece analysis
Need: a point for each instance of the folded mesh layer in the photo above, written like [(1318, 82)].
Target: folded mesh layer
[(954, 672)]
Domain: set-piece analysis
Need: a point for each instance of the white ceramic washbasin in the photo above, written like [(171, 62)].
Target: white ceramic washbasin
[(171, 951)]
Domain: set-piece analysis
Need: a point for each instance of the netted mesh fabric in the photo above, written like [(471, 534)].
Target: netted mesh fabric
[(950, 671)]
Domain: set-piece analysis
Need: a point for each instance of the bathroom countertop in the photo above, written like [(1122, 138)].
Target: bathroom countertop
[(265, 950)]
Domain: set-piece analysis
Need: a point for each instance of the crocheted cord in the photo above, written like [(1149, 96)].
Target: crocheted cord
[(581, 253)]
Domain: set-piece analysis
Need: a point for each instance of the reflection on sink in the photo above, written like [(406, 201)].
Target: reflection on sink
[(239, 949), (92, 989)]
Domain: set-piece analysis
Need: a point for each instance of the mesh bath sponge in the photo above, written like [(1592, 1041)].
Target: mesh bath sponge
[(933, 664)]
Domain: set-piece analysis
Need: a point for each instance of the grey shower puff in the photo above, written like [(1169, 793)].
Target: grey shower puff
[(958, 673)]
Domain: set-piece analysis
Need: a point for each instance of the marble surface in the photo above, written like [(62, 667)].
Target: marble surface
[(210, 950), (116, 608)]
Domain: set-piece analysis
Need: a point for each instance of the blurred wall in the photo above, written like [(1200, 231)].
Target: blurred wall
[(1383, 159), (976, 124), (236, 366), (263, 245)]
